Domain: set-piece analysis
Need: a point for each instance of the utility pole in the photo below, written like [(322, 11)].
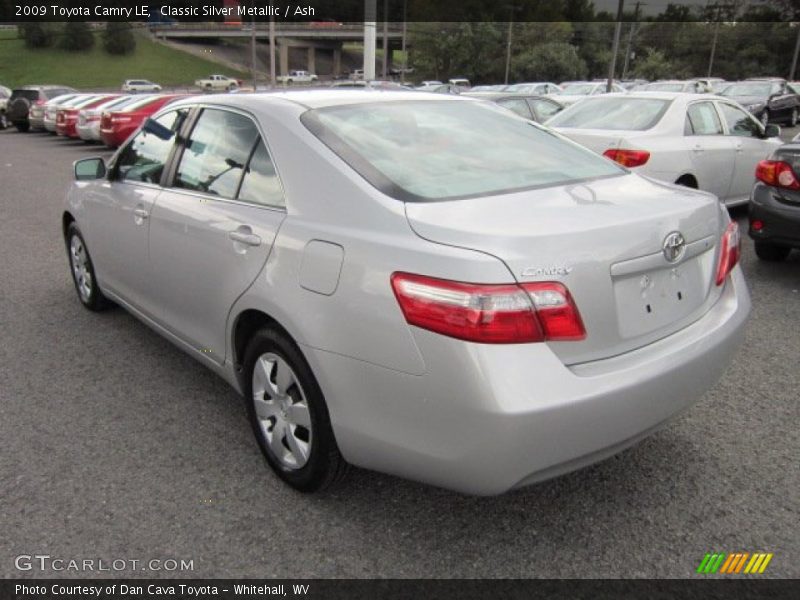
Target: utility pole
[(717, 22), (385, 37), (796, 52), (617, 31), (630, 41), (272, 78), (403, 46), (370, 27), (253, 65), (511, 9)]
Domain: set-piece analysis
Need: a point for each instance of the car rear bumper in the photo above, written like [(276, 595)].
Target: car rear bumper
[(89, 131), (781, 220), (484, 418)]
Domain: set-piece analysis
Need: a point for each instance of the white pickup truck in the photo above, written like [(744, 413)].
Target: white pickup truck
[(297, 77), (216, 83)]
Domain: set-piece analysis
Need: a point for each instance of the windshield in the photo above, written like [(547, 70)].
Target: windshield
[(578, 89), (423, 151), (747, 89), (620, 113)]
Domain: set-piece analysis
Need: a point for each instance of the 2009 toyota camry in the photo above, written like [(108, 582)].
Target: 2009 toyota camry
[(419, 284)]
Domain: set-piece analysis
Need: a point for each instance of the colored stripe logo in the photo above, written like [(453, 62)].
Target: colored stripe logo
[(734, 563)]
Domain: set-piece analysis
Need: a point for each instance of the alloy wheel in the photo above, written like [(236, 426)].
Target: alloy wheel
[(80, 267), (282, 411)]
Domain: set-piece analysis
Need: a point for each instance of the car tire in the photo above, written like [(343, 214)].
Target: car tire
[(793, 118), (82, 269), (771, 252), (22, 127), (765, 118), (292, 425)]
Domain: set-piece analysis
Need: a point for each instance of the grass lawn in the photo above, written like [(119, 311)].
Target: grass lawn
[(96, 68)]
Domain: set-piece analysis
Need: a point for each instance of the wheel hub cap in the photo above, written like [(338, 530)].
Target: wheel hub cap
[(282, 411)]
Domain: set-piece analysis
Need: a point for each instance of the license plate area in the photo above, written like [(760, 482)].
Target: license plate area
[(649, 299)]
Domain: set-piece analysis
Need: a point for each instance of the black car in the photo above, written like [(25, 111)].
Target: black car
[(775, 204), (535, 108), (23, 98), (769, 100)]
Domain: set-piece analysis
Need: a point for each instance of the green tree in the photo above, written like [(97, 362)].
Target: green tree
[(654, 66), (38, 35), (76, 37), (118, 38), (553, 61)]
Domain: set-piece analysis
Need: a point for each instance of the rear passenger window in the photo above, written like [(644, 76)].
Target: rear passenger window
[(216, 153), (260, 184), (702, 119), (517, 105), (143, 159)]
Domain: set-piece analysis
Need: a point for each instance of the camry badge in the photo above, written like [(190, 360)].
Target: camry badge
[(674, 246), (548, 271)]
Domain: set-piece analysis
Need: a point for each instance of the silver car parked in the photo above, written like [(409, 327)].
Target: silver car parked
[(423, 285)]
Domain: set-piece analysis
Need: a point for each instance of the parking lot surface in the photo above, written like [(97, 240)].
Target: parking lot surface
[(116, 445)]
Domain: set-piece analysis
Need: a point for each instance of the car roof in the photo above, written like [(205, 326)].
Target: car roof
[(319, 98), (500, 94)]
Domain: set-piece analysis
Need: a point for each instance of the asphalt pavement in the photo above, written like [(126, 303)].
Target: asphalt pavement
[(115, 445)]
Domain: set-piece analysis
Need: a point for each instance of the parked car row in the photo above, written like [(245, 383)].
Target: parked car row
[(93, 117)]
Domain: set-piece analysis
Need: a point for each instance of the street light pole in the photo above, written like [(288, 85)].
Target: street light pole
[(796, 52), (272, 78), (508, 46), (370, 27), (617, 31), (253, 65), (403, 44)]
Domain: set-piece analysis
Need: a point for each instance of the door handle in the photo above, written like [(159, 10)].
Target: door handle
[(141, 213), (698, 149), (739, 147), (249, 239)]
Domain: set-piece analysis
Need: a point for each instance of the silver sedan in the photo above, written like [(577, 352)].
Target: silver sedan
[(423, 285)]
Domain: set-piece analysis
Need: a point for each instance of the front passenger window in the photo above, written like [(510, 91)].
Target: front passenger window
[(739, 122), (143, 159)]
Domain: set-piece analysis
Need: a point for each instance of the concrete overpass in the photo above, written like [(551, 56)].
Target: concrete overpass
[(324, 36)]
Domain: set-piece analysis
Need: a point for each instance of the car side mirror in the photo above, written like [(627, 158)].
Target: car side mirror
[(88, 169), (158, 130), (771, 131)]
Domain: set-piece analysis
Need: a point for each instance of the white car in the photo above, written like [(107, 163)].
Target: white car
[(578, 90), (540, 88), (140, 85), (698, 140), (218, 83), (693, 86), (298, 77)]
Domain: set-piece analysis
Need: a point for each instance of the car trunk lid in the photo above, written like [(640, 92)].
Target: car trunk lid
[(604, 240)]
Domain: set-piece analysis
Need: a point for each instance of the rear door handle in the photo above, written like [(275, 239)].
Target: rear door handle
[(250, 239), (739, 147), (698, 149), (141, 213)]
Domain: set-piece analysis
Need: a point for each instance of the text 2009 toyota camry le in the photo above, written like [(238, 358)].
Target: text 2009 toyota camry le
[(422, 285)]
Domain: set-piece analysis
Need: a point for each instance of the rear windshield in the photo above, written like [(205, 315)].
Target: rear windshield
[(32, 95), (747, 89), (663, 87), (616, 113), (425, 151)]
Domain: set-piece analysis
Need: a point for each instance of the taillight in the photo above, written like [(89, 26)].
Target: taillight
[(40, 102), (627, 158), (777, 173), (489, 314), (730, 248), (119, 119)]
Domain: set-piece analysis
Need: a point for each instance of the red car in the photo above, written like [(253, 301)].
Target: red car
[(116, 126), (67, 118)]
